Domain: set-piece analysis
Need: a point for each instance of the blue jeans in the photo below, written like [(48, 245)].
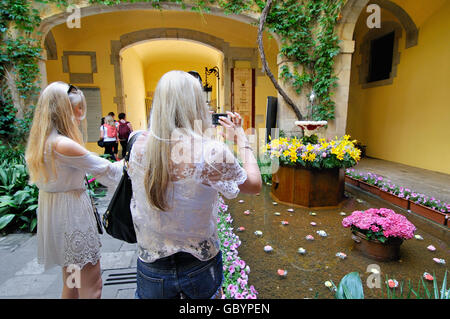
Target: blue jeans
[(179, 275)]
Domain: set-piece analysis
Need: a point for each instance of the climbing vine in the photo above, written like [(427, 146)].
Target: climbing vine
[(306, 29)]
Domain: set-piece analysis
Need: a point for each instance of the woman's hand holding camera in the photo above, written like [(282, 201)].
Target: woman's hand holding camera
[(233, 128)]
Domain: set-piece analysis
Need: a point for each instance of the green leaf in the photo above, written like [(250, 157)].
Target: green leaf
[(33, 224), (6, 219), (350, 287), (426, 288), (435, 287), (444, 286)]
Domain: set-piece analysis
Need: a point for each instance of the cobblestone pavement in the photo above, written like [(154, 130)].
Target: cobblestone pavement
[(22, 277)]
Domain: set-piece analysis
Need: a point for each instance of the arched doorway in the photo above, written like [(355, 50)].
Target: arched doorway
[(143, 64)]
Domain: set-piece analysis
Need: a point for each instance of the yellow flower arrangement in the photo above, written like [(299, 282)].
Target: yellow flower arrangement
[(335, 153)]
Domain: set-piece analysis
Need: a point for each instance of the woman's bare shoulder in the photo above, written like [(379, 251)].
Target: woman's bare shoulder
[(68, 147)]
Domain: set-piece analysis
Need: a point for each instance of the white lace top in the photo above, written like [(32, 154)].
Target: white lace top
[(190, 225)]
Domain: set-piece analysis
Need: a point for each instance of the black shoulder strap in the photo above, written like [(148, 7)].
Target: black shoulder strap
[(130, 145)]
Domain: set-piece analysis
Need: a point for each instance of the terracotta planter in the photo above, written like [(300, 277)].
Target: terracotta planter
[(370, 188), (389, 251), (401, 202), (428, 213), (351, 181), (308, 187)]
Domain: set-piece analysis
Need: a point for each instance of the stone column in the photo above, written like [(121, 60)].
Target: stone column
[(342, 70)]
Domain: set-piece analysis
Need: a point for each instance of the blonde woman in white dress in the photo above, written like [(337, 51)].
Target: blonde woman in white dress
[(58, 163)]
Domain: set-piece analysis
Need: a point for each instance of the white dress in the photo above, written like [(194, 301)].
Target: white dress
[(190, 225), (66, 228)]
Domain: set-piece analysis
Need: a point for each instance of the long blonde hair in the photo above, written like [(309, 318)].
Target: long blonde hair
[(109, 120), (54, 111), (178, 103)]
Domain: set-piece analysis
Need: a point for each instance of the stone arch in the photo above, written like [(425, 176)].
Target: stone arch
[(50, 47), (353, 8), (48, 22), (412, 32), (129, 39)]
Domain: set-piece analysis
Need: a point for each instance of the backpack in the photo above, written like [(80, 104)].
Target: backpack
[(110, 130), (124, 131)]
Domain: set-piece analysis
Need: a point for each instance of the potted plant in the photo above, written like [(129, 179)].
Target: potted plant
[(430, 207), (378, 233), (352, 177), (311, 171), (396, 195), (369, 182)]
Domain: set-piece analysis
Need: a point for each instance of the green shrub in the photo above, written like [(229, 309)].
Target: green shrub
[(18, 200)]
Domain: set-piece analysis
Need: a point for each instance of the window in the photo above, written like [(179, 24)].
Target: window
[(381, 56), (93, 113)]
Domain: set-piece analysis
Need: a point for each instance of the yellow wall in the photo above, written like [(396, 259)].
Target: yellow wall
[(161, 56), (134, 89), (97, 31), (408, 121)]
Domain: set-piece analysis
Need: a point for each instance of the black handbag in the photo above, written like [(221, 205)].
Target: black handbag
[(101, 143), (117, 219), (96, 214)]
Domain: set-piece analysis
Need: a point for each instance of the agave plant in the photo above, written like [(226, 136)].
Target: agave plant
[(350, 287)]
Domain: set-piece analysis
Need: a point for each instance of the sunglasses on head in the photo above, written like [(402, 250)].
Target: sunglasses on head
[(72, 88)]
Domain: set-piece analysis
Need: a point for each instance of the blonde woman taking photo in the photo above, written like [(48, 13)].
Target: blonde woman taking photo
[(57, 162), (177, 170)]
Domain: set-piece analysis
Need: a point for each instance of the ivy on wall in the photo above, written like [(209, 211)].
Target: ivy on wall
[(306, 29)]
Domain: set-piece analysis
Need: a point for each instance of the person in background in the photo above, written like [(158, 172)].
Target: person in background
[(196, 75), (57, 162), (116, 145), (124, 131), (108, 132), (175, 200)]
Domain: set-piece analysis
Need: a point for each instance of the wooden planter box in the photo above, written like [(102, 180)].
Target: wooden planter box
[(401, 202), (428, 213), (351, 181), (370, 188), (308, 187)]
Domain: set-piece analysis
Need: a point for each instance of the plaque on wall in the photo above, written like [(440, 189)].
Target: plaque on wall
[(243, 95)]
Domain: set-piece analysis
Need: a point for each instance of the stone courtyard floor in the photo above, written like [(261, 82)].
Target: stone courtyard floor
[(22, 277)]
